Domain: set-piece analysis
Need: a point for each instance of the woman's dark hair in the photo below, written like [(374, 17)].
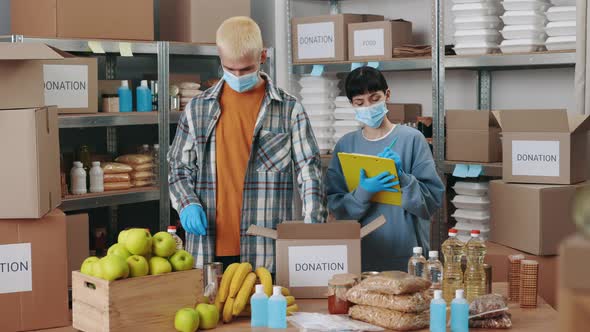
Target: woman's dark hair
[(364, 80)]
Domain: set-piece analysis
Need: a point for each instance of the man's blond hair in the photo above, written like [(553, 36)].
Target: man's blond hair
[(239, 36)]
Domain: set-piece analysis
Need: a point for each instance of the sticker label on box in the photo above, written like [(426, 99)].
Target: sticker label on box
[(369, 42), (16, 273), (313, 266), (66, 85), (535, 158), (316, 40)]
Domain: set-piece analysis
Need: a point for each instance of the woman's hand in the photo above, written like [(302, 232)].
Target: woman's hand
[(390, 154), (382, 182)]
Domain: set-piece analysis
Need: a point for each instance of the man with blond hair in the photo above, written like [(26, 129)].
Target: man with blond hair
[(237, 147)]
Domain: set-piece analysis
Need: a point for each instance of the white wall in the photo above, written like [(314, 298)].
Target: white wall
[(547, 88)]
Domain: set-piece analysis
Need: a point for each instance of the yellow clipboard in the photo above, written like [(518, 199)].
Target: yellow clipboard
[(352, 163)]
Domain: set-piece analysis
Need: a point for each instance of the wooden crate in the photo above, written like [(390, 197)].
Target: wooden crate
[(137, 304)]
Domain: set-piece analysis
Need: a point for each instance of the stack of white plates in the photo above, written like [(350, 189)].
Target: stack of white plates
[(476, 26), (524, 29), (345, 118), (317, 96), (561, 28)]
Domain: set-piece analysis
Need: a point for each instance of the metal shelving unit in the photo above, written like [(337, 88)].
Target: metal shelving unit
[(111, 49), (484, 65)]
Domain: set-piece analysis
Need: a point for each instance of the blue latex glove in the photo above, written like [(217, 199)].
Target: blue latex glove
[(382, 182), (194, 220), (390, 154)]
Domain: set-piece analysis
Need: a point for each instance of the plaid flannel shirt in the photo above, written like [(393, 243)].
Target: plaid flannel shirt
[(283, 143)]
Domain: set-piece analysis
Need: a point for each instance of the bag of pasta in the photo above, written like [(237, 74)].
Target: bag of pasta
[(143, 167), (134, 159), (395, 283), (116, 168), (390, 319), (416, 302), (142, 175)]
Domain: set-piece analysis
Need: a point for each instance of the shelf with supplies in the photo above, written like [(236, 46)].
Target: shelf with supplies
[(489, 169), (109, 198), (113, 119), (491, 61)]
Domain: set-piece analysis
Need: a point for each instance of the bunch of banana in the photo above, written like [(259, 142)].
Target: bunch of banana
[(237, 286)]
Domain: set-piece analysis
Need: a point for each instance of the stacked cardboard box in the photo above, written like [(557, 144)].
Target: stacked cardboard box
[(376, 40), (574, 289), (473, 136)]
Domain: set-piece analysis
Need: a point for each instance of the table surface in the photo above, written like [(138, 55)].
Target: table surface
[(541, 319)]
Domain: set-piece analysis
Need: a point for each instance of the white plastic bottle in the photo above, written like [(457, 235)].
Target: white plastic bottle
[(96, 178), (179, 243), (78, 179), (417, 263)]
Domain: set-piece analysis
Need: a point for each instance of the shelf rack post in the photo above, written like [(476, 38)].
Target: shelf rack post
[(484, 89), (438, 111), (164, 130)]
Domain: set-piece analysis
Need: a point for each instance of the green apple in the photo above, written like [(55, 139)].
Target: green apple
[(97, 270), (114, 267), (208, 316), (122, 236), (138, 266), (138, 241), (186, 320), (182, 261), (163, 245), (118, 249), (87, 265), (159, 265)]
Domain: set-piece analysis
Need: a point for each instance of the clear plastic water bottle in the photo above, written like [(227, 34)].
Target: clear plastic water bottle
[(156, 156), (434, 271), (277, 309), (417, 263), (475, 276), (452, 248), (438, 313), (459, 313), (259, 307)]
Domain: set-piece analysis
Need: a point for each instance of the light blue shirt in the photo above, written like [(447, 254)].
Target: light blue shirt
[(408, 226)]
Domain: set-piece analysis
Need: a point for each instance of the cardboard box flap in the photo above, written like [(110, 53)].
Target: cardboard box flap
[(470, 119), (337, 230), (28, 51), (254, 230), (579, 123), (373, 226), (533, 120)]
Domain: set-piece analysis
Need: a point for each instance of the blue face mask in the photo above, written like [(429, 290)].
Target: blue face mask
[(372, 115), (241, 83)]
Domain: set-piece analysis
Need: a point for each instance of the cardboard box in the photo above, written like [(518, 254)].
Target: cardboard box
[(473, 136), (544, 146), (376, 40), (308, 255), (34, 18), (324, 38), (404, 113), (78, 242), (106, 19), (136, 304), (497, 257), (574, 290), (68, 82), (530, 217), (197, 21), (33, 273), (29, 141)]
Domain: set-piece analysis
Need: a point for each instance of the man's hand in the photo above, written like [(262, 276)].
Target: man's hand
[(194, 220)]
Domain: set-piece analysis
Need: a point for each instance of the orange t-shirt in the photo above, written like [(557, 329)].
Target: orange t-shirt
[(234, 133)]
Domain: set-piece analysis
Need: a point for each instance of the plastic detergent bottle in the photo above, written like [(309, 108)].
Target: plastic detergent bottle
[(179, 243), (434, 271), (417, 263), (78, 179), (438, 313), (475, 277), (459, 313), (144, 97), (452, 249), (125, 97), (259, 306), (277, 309), (96, 178)]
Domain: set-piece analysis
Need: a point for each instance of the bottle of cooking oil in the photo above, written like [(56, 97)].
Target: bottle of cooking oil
[(417, 263), (475, 277), (452, 249)]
